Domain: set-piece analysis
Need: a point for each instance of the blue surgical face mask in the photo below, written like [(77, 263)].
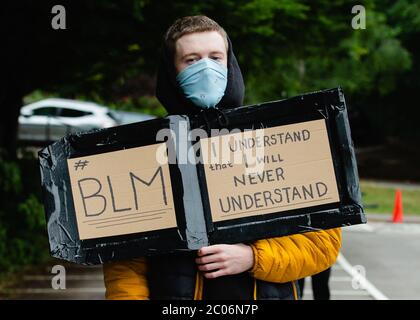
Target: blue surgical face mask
[(204, 82)]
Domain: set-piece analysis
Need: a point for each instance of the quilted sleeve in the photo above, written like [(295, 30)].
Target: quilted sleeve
[(289, 258)]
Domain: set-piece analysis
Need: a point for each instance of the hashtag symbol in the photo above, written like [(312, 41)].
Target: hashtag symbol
[(80, 164)]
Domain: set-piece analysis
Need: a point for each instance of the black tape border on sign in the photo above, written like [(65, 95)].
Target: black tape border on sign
[(95, 251), (328, 105), (58, 200)]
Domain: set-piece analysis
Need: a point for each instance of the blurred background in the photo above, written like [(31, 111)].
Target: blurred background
[(100, 71)]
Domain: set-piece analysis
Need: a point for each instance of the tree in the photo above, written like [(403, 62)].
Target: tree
[(99, 36), (109, 50)]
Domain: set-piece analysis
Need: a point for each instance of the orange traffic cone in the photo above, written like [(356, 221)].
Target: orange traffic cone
[(398, 207)]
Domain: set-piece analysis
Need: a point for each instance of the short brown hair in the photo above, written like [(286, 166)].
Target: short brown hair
[(191, 24)]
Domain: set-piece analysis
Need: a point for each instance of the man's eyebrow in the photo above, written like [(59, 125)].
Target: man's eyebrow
[(197, 54), (218, 52), (189, 54)]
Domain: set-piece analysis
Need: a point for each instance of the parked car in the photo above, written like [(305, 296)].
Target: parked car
[(50, 119), (125, 117)]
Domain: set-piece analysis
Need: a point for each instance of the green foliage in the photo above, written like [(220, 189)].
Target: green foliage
[(37, 95), (361, 61), (110, 51), (23, 238), (144, 104), (10, 181), (284, 48)]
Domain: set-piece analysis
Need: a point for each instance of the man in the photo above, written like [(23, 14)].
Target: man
[(199, 70)]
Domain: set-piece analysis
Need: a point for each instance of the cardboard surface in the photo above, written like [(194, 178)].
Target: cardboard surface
[(107, 198), (121, 192), (283, 168)]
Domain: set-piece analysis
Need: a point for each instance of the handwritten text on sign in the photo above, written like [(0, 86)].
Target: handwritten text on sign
[(297, 171), (121, 192)]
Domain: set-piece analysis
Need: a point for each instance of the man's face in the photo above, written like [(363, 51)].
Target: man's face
[(196, 46)]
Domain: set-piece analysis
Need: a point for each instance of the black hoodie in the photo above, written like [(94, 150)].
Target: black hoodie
[(174, 101), (174, 276), (172, 97)]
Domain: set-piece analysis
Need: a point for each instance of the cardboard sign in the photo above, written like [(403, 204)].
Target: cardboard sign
[(293, 170), (121, 192), (268, 170)]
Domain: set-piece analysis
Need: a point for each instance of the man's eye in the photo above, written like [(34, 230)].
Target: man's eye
[(191, 61), (216, 58)]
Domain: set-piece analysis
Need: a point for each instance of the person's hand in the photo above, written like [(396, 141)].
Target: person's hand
[(224, 259)]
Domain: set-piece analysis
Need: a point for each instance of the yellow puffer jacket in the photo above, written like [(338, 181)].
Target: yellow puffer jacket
[(279, 260)]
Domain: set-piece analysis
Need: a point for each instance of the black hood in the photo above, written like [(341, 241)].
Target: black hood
[(173, 99)]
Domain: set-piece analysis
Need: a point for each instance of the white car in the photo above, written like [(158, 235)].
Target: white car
[(51, 119)]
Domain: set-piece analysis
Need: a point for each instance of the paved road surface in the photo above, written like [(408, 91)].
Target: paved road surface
[(387, 253), (390, 254), (84, 283)]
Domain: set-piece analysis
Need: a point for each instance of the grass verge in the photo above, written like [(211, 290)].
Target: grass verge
[(380, 199)]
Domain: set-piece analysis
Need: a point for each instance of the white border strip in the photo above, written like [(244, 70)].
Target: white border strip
[(364, 282)]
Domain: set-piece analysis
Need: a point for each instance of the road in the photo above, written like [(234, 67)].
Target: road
[(82, 283), (385, 253), (390, 255)]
